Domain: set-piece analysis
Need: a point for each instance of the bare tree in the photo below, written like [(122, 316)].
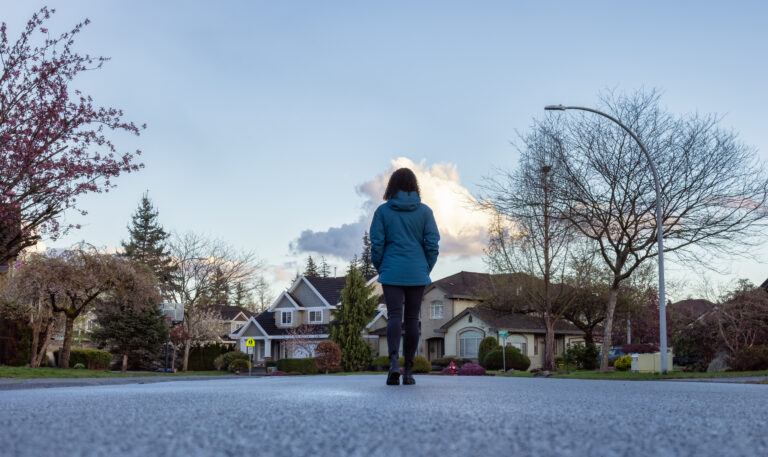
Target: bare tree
[(262, 293), (302, 337), (25, 296), (529, 235), (200, 267), (714, 190)]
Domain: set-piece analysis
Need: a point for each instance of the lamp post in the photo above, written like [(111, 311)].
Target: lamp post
[(659, 228)]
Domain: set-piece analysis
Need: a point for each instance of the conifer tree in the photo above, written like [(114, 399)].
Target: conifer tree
[(310, 271), (242, 296), (325, 270), (366, 265), (147, 242), (357, 308)]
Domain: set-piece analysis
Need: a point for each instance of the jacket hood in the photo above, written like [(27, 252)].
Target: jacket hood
[(404, 201)]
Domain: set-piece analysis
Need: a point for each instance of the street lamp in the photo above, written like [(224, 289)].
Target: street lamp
[(659, 229)]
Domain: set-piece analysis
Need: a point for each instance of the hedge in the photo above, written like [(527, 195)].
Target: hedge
[(90, 358), (420, 364), (201, 357), (514, 359), (223, 361), (303, 366), (238, 365), (446, 361)]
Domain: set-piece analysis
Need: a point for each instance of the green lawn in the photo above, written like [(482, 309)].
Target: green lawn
[(631, 376), (24, 372)]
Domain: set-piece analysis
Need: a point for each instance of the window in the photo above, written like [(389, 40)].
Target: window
[(315, 317), (437, 309), (469, 341), (518, 341), (285, 317)]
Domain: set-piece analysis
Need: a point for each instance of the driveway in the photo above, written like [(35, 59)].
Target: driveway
[(359, 415)]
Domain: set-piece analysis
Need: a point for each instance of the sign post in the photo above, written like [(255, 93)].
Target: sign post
[(503, 338), (250, 344)]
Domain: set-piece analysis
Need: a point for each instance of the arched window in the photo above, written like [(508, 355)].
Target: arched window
[(469, 341)]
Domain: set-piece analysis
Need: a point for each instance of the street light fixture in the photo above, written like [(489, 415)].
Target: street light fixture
[(659, 228)]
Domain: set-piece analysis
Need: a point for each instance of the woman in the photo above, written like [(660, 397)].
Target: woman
[(404, 240)]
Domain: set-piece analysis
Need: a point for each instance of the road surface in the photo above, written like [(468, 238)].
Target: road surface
[(359, 415)]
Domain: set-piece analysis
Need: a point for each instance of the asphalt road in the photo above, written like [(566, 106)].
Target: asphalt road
[(359, 415)]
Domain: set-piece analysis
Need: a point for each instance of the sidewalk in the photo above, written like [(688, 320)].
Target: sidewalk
[(38, 383)]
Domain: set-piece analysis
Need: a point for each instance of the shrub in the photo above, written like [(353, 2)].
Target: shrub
[(381, 362), (487, 344), (238, 365), (623, 363), (641, 348), (559, 361), (514, 359), (471, 369), (751, 359), (222, 362), (583, 357), (420, 364), (327, 356), (303, 366), (79, 366), (201, 357), (90, 358)]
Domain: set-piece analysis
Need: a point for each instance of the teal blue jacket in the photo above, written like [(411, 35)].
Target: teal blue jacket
[(404, 241)]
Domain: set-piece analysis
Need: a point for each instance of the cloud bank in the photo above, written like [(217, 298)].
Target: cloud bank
[(463, 228)]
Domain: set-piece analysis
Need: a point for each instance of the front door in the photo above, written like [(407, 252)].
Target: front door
[(435, 348)]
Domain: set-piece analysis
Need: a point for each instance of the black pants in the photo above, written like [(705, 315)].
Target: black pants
[(396, 297)]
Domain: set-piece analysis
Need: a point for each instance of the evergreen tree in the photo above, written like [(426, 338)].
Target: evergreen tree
[(357, 308), (242, 296), (218, 290), (366, 266), (132, 333), (311, 269), (147, 242), (325, 270)]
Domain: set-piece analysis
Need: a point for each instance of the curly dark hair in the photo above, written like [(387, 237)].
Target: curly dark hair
[(402, 179)]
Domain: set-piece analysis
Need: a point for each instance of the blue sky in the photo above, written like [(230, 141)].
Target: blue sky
[(265, 118)]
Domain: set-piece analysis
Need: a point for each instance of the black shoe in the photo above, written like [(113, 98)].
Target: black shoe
[(408, 379), (393, 378)]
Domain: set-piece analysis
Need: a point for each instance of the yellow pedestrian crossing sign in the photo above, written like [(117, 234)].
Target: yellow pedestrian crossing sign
[(250, 343)]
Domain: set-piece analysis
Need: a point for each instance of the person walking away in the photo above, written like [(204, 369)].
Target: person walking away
[(404, 249)]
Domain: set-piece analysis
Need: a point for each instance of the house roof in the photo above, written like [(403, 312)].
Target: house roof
[(267, 321), (329, 288), (468, 284), (694, 308), (514, 322), (764, 285), (228, 313)]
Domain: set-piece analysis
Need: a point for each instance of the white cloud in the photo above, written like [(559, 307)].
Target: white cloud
[(463, 228)]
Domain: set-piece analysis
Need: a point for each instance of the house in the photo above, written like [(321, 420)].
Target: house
[(452, 324), (299, 319), (229, 319)]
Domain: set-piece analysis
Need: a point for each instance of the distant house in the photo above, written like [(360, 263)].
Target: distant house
[(230, 318), (452, 324), (300, 314), (692, 309)]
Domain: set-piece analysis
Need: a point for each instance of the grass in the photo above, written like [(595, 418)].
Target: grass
[(632, 376), (25, 372)]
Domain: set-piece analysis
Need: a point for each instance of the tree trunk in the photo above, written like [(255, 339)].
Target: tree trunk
[(64, 356), (36, 324), (125, 363), (185, 362), (549, 344), (589, 339), (173, 358), (607, 327), (38, 353)]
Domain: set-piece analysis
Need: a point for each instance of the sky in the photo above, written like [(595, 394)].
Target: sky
[(274, 125)]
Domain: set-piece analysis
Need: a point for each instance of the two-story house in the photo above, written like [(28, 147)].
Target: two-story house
[(299, 319), (452, 324)]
